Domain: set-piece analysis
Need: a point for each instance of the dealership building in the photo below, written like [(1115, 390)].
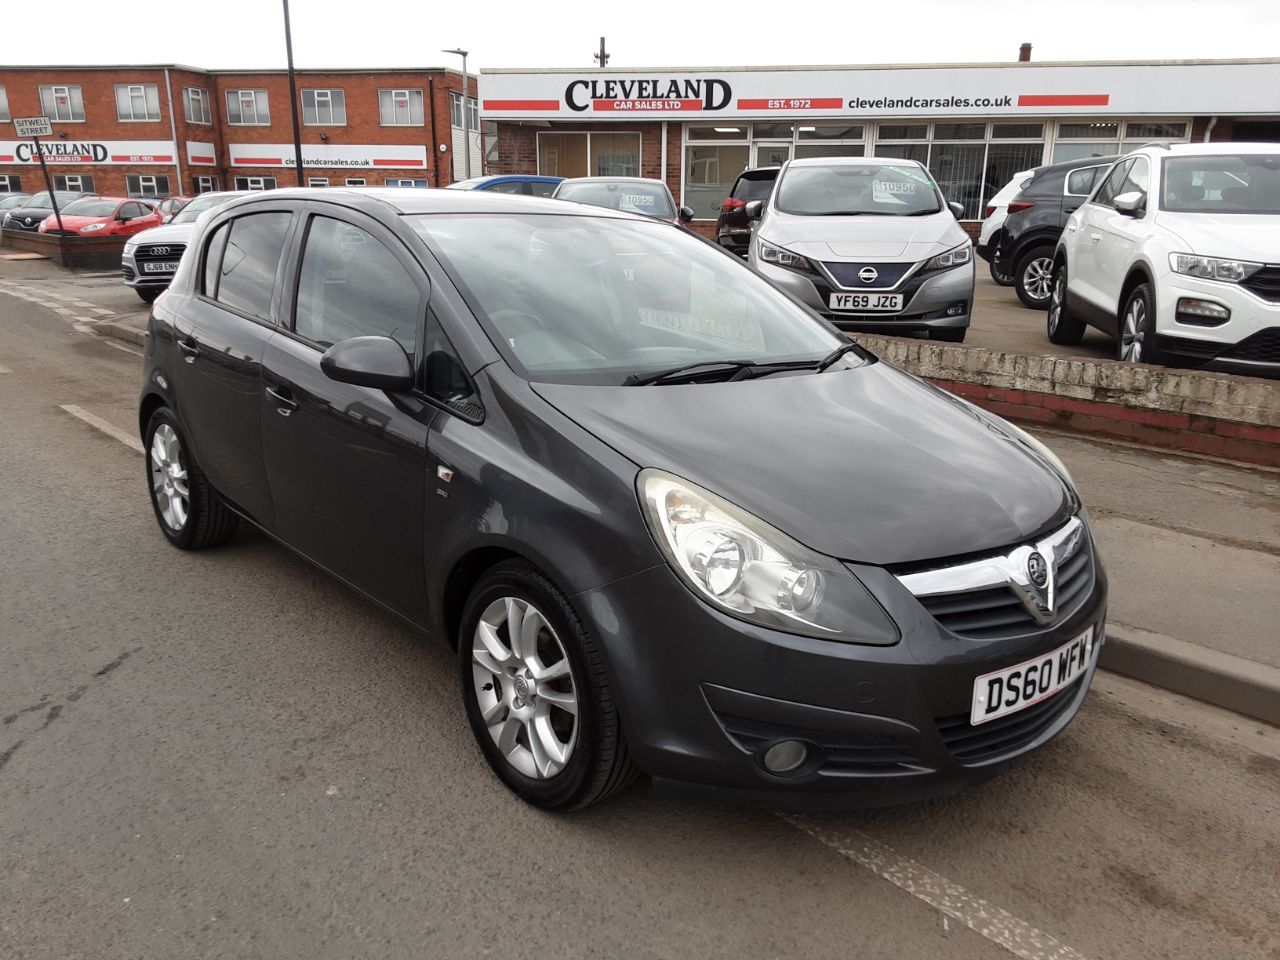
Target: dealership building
[(155, 131), (972, 125)]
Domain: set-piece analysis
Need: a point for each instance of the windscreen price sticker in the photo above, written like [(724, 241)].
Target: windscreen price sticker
[(33, 127)]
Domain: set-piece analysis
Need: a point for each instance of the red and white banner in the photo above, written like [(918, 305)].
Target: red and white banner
[(201, 154), (1007, 90), (387, 156), (94, 152)]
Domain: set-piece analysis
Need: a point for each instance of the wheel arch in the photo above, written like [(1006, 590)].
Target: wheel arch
[(1139, 273), (466, 571), (151, 401)]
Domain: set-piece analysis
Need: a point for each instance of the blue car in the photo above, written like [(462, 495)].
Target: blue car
[(525, 185)]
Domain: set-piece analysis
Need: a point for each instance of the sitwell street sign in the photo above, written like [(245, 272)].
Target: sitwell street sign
[(33, 126)]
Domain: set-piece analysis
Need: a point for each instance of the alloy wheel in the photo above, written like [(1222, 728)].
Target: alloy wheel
[(1055, 304), (1133, 333), (524, 686), (169, 477), (1038, 278)]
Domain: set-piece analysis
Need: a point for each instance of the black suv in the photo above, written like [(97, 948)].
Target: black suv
[(1036, 219), (733, 227)]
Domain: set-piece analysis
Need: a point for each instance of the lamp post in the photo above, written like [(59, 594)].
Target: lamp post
[(466, 116), (293, 95)]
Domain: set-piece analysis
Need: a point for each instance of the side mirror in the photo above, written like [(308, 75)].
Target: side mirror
[(754, 208), (377, 362), (1131, 204), (122, 218), (956, 208), (686, 214)]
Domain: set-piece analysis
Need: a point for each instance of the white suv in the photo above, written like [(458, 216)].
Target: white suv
[(1177, 255)]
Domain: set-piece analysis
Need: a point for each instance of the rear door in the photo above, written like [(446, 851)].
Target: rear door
[(1086, 272), (346, 464), (222, 337), (1121, 234)]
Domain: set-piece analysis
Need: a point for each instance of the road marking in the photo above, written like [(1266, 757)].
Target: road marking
[(111, 430), (950, 899), (100, 312)]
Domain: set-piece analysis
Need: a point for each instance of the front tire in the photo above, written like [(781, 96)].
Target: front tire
[(188, 510), (999, 271), (536, 692), (1137, 340), (1033, 277), (1061, 326)]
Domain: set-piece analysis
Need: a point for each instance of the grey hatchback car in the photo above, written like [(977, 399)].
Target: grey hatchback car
[(669, 519)]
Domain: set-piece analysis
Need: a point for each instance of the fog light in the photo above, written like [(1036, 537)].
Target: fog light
[(785, 756), (1201, 313), (957, 309)]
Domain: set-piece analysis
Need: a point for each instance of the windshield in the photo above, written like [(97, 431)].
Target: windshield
[(887, 189), (12, 201), (90, 207), (650, 199), (1222, 183), (594, 300), (199, 205)]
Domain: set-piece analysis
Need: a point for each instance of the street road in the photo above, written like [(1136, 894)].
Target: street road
[(228, 754)]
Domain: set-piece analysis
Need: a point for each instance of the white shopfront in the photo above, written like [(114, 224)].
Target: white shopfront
[(973, 126)]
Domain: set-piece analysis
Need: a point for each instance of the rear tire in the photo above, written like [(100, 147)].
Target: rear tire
[(1062, 327), (148, 294), (1033, 277), (187, 508), (999, 272), (541, 708)]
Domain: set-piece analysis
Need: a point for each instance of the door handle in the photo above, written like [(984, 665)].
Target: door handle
[(190, 349), (285, 404), (1095, 237)]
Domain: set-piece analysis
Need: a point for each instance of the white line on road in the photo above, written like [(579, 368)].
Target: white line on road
[(111, 430), (999, 926), (100, 312)]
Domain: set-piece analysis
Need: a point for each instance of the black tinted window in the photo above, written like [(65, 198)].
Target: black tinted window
[(1107, 192), (446, 378), (353, 286), (543, 189), (508, 186), (248, 271), (213, 259), (754, 189)]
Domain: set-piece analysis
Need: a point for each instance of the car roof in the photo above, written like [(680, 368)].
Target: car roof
[(852, 162), (1075, 164), (1201, 149), (613, 180), (416, 200)]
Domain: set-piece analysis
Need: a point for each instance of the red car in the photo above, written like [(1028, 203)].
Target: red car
[(170, 205), (104, 217)]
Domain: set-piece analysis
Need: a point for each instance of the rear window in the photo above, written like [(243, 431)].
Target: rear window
[(1080, 182), (754, 189), (649, 199), (90, 208)]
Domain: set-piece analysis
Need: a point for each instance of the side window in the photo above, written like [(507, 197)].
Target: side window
[(213, 260), (350, 285), (511, 186), (1106, 194), (1080, 182), (543, 189), (247, 273), (446, 377), (133, 211), (1137, 178)]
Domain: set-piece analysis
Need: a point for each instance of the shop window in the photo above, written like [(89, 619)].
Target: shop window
[(726, 132), (248, 108), (773, 131), (324, 108), (81, 182), (902, 131), (958, 170), (255, 183), (1017, 131), (710, 170), (614, 154), (146, 185), (400, 108), (919, 152), (830, 131), (959, 131), (206, 184), (1006, 159), (63, 104), (197, 105), (137, 102), (562, 154), (1155, 131)]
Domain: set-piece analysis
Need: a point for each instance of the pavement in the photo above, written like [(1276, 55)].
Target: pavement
[(228, 754)]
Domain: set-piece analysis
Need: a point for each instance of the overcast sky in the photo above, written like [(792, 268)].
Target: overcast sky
[(506, 33)]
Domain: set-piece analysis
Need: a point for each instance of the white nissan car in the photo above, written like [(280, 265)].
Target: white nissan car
[(1177, 256), (868, 242)]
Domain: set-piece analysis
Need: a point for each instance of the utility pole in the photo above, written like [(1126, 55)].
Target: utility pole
[(601, 58), (293, 95), (466, 117)]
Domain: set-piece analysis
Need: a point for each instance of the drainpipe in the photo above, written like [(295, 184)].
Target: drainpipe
[(173, 133), (1213, 122), (663, 175), (434, 151)]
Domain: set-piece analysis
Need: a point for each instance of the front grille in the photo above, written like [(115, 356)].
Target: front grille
[(1262, 347), (61, 233), (848, 753), (997, 613), (1007, 735), (147, 252), (1265, 283), (887, 274)]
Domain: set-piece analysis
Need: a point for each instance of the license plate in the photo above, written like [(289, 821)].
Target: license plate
[(1015, 688), (867, 302), (161, 266)]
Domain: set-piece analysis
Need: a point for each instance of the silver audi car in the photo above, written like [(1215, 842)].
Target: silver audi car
[(870, 243)]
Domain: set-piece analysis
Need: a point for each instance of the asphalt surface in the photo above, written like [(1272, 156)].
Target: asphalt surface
[(227, 754)]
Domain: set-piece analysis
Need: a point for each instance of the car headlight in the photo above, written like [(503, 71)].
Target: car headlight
[(781, 257), (747, 568), (1212, 268), (955, 257), (89, 228)]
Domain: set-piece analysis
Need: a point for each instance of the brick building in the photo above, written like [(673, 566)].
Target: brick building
[(159, 130)]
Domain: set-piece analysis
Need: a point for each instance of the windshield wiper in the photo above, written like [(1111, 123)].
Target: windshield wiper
[(690, 372), (835, 355), (921, 213), (824, 363)]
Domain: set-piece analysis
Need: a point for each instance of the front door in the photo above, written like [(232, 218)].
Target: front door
[(347, 464), (1086, 275), (222, 338), (1121, 233)]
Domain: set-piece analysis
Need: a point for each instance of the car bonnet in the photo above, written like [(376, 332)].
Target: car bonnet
[(858, 238)]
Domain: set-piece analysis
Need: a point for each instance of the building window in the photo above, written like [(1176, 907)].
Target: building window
[(400, 108), (137, 101), (317, 181), (830, 140), (197, 101), (62, 103), (711, 165), (10, 183), (146, 185), (455, 111), (206, 183), (354, 181), (324, 108), (4, 105), (255, 183), (81, 182), (1077, 139), (248, 108), (589, 154), (405, 182)]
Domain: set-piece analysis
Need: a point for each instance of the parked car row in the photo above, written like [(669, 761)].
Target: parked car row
[(85, 214)]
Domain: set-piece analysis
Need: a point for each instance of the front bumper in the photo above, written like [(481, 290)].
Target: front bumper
[(935, 300), (133, 277), (1249, 342), (703, 694)]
